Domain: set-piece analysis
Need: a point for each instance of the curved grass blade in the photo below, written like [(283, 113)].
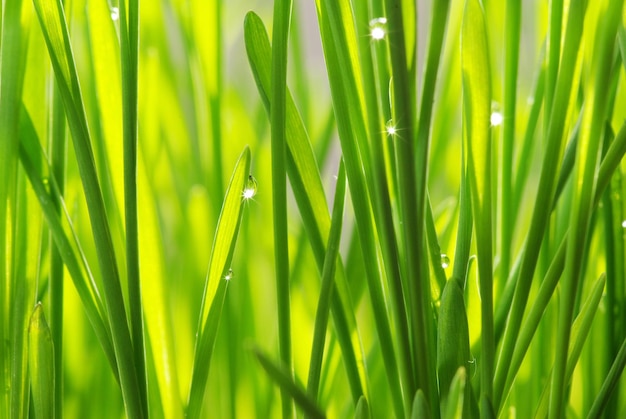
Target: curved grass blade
[(476, 113), (362, 409), (304, 177), (41, 364), (609, 384), (56, 35), (454, 406), (420, 408), (283, 378), (216, 281), (328, 274)]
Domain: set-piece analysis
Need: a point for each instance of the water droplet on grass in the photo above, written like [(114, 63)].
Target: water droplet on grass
[(624, 224), (377, 28), (496, 119), (250, 188), (115, 13), (390, 128), (445, 261), (229, 275)]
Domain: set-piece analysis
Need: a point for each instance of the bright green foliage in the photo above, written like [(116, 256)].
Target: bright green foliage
[(332, 208)]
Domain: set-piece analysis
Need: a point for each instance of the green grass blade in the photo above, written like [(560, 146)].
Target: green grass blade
[(420, 408), (13, 47), (278, 98), (585, 172), (453, 351), (305, 180), (129, 40), (477, 109), (31, 158), (579, 329), (41, 364), (513, 17), (328, 274), (217, 279), (545, 192), (609, 385), (55, 31), (454, 405), (339, 44), (284, 378), (362, 409)]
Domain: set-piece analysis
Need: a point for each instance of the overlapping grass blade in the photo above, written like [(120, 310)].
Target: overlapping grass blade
[(55, 31), (545, 192), (476, 117), (284, 379), (362, 409), (41, 364), (328, 274), (304, 177), (585, 172), (217, 280)]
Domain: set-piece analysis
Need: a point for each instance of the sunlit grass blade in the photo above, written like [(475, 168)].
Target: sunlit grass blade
[(340, 52), (54, 27), (41, 364), (284, 379), (545, 191), (305, 180), (13, 47), (453, 351), (476, 117), (328, 274), (31, 159), (579, 331), (217, 279), (584, 179)]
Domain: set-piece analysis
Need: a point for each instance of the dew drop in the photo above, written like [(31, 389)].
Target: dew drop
[(229, 275), (115, 13), (624, 224), (445, 261), (390, 128), (496, 119), (250, 188), (377, 28)]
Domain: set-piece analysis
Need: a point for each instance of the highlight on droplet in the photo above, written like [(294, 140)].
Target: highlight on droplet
[(377, 28), (496, 119), (390, 128), (624, 224), (445, 261), (250, 188), (115, 13), (229, 275)]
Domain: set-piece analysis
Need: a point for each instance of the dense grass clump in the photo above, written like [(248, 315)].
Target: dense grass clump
[(409, 209)]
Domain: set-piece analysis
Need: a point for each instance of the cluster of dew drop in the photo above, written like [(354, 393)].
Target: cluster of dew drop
[(377, 28)]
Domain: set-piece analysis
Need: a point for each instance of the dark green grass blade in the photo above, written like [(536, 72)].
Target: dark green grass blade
[(454, 407), (609, 385), (477, 109), (216, 282), (362, 409), (56, 35), (278, 117), (584, 178), (129, 40), (304, 177), (41, 364), (328, 274), (284, 379)]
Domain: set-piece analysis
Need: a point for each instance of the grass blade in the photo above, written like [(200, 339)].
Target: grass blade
[(477, 106), (284, 378), (56, 34), (41, 364), (217, 279), (585, 172), (328, 274), (278, 97)]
